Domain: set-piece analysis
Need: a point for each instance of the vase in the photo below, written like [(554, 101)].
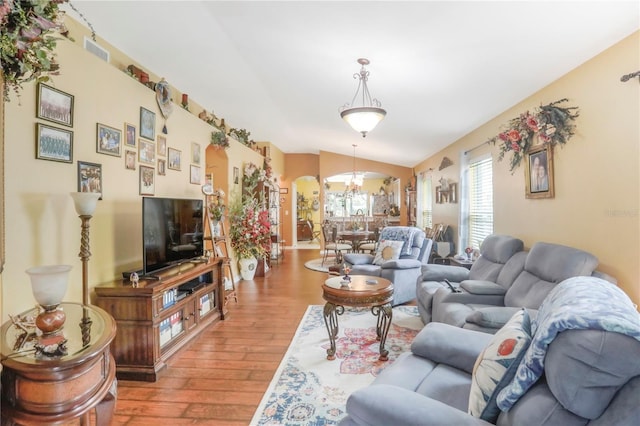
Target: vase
[(215, 228), (248, 268)]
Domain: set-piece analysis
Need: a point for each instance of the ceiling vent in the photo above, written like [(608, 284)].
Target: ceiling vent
[(96, 49)]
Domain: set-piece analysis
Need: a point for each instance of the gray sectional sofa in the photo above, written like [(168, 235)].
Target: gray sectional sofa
[(577, 363), (504, 279)]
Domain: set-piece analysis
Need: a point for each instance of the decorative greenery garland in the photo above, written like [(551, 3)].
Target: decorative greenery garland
[(27, 41), (552, 123)]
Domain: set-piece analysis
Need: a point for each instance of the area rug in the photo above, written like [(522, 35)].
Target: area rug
[(307, 389), (316, 264)]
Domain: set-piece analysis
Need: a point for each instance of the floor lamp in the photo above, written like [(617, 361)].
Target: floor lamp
[(85, 204)]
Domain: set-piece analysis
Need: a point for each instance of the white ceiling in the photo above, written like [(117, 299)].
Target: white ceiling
[(281, 70)]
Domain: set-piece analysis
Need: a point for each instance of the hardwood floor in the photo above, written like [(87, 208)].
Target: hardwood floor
[(219, 379)]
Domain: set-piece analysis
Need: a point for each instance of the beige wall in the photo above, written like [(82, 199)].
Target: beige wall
[(43, 227), (596, 173)]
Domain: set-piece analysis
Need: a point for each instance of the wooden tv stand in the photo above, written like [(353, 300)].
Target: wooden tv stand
[(155, 320)]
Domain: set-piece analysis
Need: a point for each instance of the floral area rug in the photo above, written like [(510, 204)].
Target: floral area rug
[(307, 389)]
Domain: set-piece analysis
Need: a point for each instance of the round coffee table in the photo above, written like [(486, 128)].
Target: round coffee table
[(361, 291)]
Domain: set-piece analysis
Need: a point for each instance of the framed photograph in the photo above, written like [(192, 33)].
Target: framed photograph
[(284, 190), (54, 144), (130, 160), (162, 145), (439, 195), (195, 176), (195, 153), (147, 185), (90, 177), (174, 159), (147, 152), (453, 192), (162, 167), (108, 140), (147, 124), (236, 173), (538, 173), (130, 134), (54, 105)]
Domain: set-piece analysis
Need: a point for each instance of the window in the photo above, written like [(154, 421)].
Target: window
[(339, 205), (425, 203), (480, 187)]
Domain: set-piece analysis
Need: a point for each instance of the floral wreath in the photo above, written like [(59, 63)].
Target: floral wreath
[(552, 123), (28, 31)]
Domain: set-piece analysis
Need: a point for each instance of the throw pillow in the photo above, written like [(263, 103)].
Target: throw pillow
[(387, 250), (497, 364)]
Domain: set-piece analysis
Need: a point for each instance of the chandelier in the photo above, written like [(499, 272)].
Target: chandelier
[(363, 118), (354, 183)]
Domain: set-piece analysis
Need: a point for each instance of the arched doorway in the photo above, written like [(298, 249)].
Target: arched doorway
[(307, 212)]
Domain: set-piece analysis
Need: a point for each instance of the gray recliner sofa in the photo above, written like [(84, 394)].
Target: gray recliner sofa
[(523, 282), (590, 372), (495, 251), (403, 272)]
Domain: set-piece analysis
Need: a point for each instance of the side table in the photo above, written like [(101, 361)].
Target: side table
[(461, 262), (361, 291), (38, 389)]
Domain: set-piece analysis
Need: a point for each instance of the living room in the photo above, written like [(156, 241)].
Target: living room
[(595, 207)]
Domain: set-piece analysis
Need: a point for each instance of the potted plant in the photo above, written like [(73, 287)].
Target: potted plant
[(27, 41), (216, 206), (250, 235), (219, 140)]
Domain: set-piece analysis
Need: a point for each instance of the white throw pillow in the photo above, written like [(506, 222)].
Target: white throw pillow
[(387, 250), (497, 364)]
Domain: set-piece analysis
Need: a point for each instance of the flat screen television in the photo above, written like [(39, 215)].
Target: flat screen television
[(171, 231)]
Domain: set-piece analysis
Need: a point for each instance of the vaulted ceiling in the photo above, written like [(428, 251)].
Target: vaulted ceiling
[(282, 69)]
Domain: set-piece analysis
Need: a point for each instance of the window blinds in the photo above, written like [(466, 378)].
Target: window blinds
[(427, 202), (480, 201)]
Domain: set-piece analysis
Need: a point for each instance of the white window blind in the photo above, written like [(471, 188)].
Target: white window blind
[(427, 202), (480, 201)]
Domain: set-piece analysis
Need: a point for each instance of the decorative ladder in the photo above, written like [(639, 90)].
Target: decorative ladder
[(218, 244)]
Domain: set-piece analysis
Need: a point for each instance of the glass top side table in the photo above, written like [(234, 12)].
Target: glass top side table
[(38, 388)]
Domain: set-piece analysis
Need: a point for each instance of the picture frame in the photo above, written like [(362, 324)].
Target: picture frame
[(538, 172), (175, 159), (90, 177), (453, 192), (130, 160), (147, 124), (130, 131), (108, 140), (195, 153), (162, 145), (162, 167), (284, 190), (147, 180), (146, 152), (439, 195), (54, 105), (236, 173), (195, 175), (54, 144)]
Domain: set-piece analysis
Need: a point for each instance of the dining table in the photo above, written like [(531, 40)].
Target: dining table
[(356, 237)]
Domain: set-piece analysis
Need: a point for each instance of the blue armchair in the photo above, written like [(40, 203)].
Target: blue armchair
[(403, 270)]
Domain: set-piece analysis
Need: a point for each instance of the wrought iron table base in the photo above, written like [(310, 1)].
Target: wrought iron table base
[(384, 314)]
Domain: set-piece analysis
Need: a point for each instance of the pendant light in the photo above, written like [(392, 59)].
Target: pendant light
[(365, 117)]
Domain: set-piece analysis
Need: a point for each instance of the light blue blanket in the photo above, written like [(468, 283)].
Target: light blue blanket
[(574, 304)]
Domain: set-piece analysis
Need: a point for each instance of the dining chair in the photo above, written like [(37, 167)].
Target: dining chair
[(331, 243), (370, 246)]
